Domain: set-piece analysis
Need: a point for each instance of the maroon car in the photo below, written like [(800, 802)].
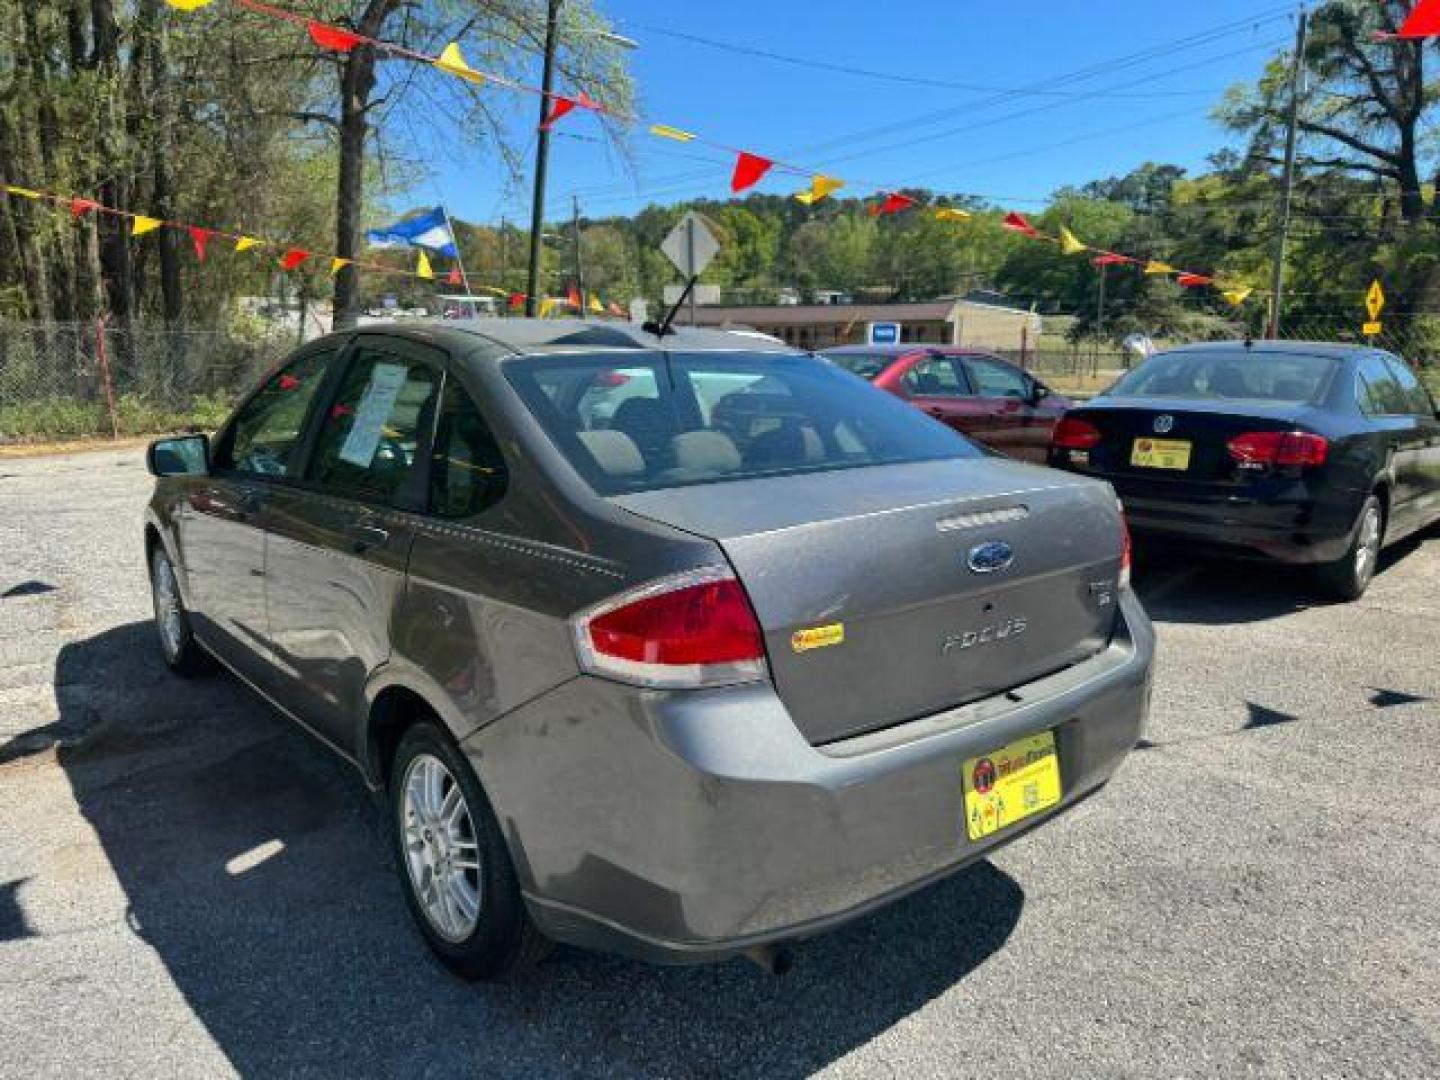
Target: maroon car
[(979, 395)]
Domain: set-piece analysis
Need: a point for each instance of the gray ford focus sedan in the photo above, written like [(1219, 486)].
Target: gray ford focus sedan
[(681, 647)]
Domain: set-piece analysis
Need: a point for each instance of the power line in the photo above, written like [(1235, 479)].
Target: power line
[(882, 76)]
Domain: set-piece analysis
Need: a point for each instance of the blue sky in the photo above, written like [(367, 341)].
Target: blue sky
[(975, 115)]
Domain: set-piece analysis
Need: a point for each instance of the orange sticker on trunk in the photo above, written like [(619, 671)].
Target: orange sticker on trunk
[(817, 637)]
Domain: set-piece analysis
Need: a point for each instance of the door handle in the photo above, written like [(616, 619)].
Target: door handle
[(364, 536), (934, 410)]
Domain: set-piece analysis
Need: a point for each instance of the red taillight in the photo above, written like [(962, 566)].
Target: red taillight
[(1072, 433), (1279, 448), (693, 629)]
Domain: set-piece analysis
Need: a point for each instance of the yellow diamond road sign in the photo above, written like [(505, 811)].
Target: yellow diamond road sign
[(1375, 300)]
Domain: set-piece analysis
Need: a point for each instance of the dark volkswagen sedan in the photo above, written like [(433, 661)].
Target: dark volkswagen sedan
[(682, 648), (1305, 453)]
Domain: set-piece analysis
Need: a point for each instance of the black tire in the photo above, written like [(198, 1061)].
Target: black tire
[(1349, 577), (503, 940), (179, 649)]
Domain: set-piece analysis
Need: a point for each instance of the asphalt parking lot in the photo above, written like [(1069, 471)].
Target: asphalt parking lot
[(189, 886)]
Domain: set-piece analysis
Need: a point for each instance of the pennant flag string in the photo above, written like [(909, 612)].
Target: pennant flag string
[(750, 167)]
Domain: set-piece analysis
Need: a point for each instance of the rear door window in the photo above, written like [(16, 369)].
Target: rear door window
[(936, 376), (371, 437), (709, 417), (467, 470), (993, 379), (1378, 389), (1417, 398)]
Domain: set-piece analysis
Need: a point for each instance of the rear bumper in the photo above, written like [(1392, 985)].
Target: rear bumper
[(684, 827), (1287, 523)]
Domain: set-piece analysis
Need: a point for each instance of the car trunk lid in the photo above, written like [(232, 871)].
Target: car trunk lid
[(1207, 430), (884, 593)]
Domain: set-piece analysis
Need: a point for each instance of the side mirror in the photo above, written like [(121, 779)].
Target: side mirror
[(1038, 393), (184, 455)]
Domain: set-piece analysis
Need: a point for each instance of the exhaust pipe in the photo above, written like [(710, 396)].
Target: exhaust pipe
[(774, 959)]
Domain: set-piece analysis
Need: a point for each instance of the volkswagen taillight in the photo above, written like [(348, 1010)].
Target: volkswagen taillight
[(688, 630), (1072, 433), (1295, 448)]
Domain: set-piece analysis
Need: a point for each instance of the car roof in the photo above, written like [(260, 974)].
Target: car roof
[(1333, 349), (519, 337), (901, 350)]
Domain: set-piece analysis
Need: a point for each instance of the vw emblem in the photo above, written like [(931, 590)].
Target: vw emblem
[(1164, 424), (989, 557)]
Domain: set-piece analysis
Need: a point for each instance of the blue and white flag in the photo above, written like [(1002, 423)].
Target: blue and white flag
[(428, 230)]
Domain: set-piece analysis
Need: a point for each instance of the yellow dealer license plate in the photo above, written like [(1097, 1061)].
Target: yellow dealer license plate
[(1161, 454), (1010, 784)]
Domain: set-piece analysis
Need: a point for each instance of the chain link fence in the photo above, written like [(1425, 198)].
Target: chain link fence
[(77, 380)]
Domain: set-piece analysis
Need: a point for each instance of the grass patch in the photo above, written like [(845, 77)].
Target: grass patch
[(67, 418)]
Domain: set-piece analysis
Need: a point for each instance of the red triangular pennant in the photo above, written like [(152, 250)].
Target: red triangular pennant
[(80, 207), (1424, 20), (332, 37), (1109, 258), (617, 310), (559, 106), (1017, 223), (293, 258), (572, 294), (749, 168), (894, 203), (1193, 281), (199, 237), (454, 278), (517, 299)]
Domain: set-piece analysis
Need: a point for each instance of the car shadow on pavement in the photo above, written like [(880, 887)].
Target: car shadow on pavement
[(1178, 586), (254, 865)]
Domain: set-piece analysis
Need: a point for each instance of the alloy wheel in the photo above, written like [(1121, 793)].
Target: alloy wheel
[(442, 855), (1367, 551), (168, 619)]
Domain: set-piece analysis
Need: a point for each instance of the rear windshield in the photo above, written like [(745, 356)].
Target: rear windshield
[(866, 365), (675, 419), (1292, 378)]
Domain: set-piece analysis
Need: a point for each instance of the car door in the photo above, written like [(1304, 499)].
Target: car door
[(221, 527), (1426, 463), (935, 384), (339, 541), (1401, 435), (1007, 393)]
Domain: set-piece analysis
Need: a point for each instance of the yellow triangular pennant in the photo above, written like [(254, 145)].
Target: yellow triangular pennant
[(187, 5), (949, 213), (337, 264), (23, 192), (596, 305), (1236, 297), (1070, 243), (547, 305), (422, 267), (820, 186), (665, 131), (245, 243), (140, 225), (452, 62), (1153, 267)]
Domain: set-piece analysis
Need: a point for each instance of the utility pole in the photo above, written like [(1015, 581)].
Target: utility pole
[(1100, 315), (1282, 238), (542, 159), (579, 266)]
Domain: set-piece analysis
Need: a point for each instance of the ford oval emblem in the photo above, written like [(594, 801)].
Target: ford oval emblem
[(989, 557), (1164, 424)]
